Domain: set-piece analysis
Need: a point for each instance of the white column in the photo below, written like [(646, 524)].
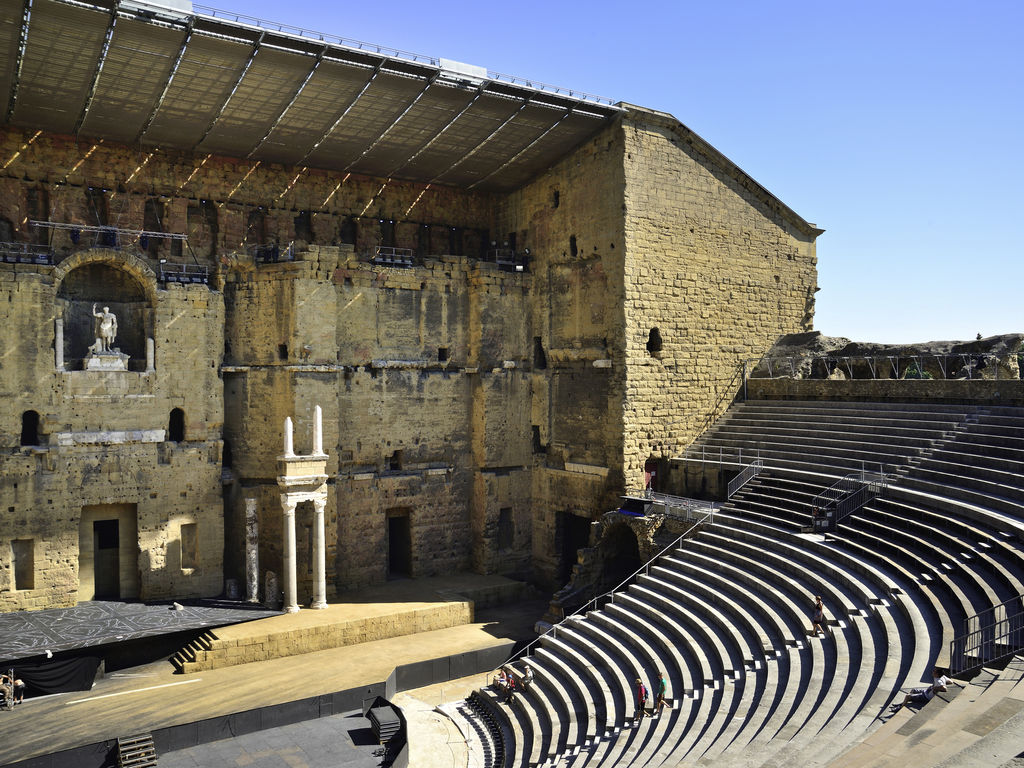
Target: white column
[(319, 555), (318, 432), (289, 445), (150, 355), (58, 342), (252, 551), (291, 603)]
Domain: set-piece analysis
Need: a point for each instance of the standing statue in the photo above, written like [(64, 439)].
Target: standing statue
[(107, 329)]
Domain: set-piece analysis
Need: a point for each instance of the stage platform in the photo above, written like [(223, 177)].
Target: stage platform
[(403, 607), (24, 634), (153, 697)]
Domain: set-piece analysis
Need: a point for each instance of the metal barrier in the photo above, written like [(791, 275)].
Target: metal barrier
[(393, 257), (272, 253), (184, 273), (745, 476), (26, 253), (679, 507), (845, 497), (990, 636)]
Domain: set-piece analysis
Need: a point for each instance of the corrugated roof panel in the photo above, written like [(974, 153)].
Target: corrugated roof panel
[(207, 73), (328, 92), (382, 102), (10, 31), (64, 45), (426, 118), (262, 96), (526, 126), (138, 63), (476, 124), (548, 150)]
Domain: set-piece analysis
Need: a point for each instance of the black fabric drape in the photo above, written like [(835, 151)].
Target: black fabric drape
[(58, 675)]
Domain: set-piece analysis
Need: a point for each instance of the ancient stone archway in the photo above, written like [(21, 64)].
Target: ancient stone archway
[(618, 554), (104, 278)]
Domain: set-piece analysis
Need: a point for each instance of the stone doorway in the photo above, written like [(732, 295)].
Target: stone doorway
[(399, 544), (108, 553), (619, 555), (574, 531)]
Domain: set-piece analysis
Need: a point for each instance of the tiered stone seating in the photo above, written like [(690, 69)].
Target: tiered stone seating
[(726, 615)]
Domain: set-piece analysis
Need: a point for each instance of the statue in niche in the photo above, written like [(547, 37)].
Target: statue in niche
[(106, 330)]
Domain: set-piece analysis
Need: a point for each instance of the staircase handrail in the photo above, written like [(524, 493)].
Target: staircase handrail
[(743, 477), (692, 507), (998, 627), (610, 594)]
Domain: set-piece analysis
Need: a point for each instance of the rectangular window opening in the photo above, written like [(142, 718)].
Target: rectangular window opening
[(189, 545), (506, 529), (23, 555)]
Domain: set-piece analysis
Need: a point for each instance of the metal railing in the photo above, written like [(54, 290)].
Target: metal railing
[(994, 634), (184, 273), (743, 477), (26, 253), (609, 597), (910, 367), (722, 455), (393, 257), (679, 507), (383, 50), (271, 253), (845, 497)]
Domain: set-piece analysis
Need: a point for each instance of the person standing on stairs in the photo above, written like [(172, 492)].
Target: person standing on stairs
[(818, 622), (662, 690), (641, 700)]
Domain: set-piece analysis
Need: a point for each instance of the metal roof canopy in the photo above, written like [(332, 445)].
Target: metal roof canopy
[(243, 88)]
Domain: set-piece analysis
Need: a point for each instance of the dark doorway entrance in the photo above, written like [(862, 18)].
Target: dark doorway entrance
[(619, 553), (399, 545), (575, 534), (107, 563)]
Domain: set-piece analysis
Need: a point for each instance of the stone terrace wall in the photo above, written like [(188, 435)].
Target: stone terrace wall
[(959, 391), (720, 268), (571, 220)]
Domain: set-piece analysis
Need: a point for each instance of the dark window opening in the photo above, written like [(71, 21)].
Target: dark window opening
[(511, 241), (538, 447), (387, 233), (227, 457), (23, 555), (176, 426), (540, 360), (175, 249), (256, 227), (573, 250), (303, 224), (399, 543), (395, 461), (6, 230), (347, 231), (282, 351), (30, 428), (506, 529), (455, 235), (654, 341), (572, 532), (423, 240), (555, 199), (37, 201), (96, 206), (189, 545), (152, 221), (442, 354)]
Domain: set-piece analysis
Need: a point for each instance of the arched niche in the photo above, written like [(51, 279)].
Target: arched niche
[(107, 279)]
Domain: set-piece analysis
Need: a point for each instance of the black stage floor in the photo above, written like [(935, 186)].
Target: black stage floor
[(25, 634)]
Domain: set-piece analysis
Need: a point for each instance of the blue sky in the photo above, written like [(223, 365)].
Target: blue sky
[(896, 126)]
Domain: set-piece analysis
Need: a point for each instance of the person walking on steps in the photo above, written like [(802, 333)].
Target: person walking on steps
[(818, 622), (641, 700), (659, 702)]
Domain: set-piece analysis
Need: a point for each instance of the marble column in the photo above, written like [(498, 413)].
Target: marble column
[(291, 603), (252, 550), (319, 556), (289, 450), (150, 355), (318, 432), (58, 342)]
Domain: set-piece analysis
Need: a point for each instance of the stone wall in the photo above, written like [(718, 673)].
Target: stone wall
[(719, 267), (958, 391), (101, 450)]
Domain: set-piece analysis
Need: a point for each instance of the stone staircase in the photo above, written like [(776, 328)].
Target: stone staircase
[(725, 616)]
